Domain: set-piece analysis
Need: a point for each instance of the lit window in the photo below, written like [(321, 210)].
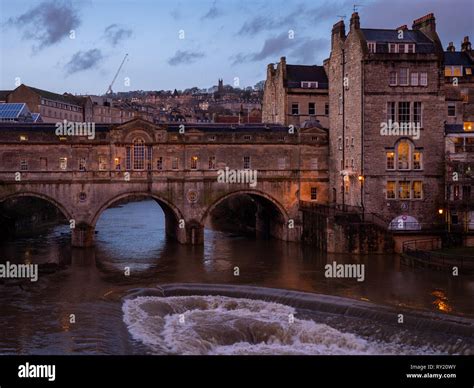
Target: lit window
[(403, 155), (314, 193), (404, 190), (468, 71), (23, 138), (468, 126), (390, 190), (117, 164), (417, 190), (390, 160), (246, 162), (417, 160), (194, 162), (457, 71), (414, 79)]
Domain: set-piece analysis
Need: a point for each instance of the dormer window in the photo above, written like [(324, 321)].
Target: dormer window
[(372, 47), (401, 48), (309, 84)]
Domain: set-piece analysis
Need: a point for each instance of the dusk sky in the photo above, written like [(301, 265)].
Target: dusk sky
[(222, 39)]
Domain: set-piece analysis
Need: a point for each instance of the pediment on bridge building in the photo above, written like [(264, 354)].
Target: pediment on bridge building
[(313, 131), (137, 127)]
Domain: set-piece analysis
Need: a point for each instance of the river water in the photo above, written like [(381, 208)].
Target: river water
[(80, 307)]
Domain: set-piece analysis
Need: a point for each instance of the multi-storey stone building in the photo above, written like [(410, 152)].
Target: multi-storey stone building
[(380, 78), (459, 131), (294, 94), (53, 107)]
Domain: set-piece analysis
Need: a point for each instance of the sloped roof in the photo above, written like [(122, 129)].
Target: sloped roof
[(459, 58), (56, 97), (295, 74), (424, 43)]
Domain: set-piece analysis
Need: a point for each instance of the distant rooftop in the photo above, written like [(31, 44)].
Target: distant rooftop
[(55, 96)]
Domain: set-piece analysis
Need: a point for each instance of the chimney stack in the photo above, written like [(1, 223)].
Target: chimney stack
[(466, 45), (355, 21), (338, 32), (451, 47), (426, 23), (403, 28)]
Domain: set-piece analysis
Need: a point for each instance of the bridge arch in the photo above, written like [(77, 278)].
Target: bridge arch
[(65, 212), (271, 217), (173, 214)]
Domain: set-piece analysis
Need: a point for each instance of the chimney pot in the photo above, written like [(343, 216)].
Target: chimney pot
[(466, 44), (451, 47), (355, 21)]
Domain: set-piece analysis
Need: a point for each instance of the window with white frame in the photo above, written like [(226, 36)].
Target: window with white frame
[(403, 79), (139, 154), (393, 78), (309, 84), (414, 79), (372, 47), (423, 79)]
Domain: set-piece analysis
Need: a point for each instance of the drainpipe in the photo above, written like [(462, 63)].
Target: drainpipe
[(343, 126)]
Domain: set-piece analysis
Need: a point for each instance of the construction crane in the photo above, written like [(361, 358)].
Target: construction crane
[(109, 90)]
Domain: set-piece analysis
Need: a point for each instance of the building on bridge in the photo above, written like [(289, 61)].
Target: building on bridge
[(294, 94), (181, 166)]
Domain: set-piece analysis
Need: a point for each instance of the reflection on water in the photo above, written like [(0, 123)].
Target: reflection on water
[(36, 316)]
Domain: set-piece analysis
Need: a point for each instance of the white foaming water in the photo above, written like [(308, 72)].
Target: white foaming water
[(222, 325)]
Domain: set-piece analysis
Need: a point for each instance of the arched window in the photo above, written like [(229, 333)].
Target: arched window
[(139, 154), (403, 155)]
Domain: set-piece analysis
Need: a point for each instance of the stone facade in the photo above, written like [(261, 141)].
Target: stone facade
[(83, 177), (363, 85), (283, 89)]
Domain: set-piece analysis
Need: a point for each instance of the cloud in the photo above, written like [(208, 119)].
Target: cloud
[(84, 60), (303, 50), (48, 23), (114, 34), (185, 57), (300, 15), (213, 12)]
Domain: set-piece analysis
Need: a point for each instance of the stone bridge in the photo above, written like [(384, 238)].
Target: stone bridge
[(179, 166)]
